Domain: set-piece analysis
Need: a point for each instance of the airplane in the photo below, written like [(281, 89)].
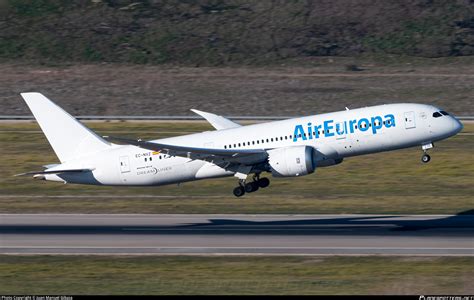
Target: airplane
[(288, 148)]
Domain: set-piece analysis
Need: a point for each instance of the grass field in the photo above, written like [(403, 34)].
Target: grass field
[(392, 182), (147, 275)]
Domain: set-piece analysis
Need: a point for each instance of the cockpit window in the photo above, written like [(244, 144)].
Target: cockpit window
[(437, 115), (444, 113)]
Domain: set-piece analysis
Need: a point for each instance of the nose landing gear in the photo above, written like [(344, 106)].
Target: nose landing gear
[(250, 187), (426, 158)]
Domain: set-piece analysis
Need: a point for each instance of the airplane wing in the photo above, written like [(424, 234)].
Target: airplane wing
[(247, 156), (218, 122)]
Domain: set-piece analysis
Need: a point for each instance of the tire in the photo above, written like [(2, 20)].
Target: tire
[(264, 182), (255, 186), (239, 191), (249, 187), (425, 158)]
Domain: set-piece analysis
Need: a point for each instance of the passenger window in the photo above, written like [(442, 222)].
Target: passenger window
[(151, 158), (437, 115), (258, 142)]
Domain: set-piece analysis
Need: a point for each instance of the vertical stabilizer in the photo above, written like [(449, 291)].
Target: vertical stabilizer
[(68, 137)]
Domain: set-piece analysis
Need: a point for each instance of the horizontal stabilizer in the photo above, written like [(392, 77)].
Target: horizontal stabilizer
[(54, 172)]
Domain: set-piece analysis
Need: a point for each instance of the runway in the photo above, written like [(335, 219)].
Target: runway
[(436, 235)]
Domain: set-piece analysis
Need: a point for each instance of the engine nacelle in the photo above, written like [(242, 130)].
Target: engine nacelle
[(329, 162), (292, 161)]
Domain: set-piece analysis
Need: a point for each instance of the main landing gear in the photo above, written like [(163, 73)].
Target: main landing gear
[(426, 158), (250, 187)]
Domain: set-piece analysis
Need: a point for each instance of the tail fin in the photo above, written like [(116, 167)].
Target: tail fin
[(68, 137)]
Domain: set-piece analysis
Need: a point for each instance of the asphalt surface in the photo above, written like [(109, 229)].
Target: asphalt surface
[(439, 235)]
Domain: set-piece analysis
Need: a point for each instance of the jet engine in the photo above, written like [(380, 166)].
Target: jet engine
[(292, 161)]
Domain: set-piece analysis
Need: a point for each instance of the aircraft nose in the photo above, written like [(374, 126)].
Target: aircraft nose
[(457, 125)]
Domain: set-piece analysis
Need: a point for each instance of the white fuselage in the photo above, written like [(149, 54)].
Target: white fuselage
[(336, 135)]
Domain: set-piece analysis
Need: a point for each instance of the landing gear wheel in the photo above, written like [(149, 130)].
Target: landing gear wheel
[(263, 182), (239, 191), (255, 186), (425, 158), (248, 187), (251, 187)]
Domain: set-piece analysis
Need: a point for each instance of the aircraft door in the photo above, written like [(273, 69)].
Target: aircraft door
[(343, 141), (341, 130), (410, 120), (124, 164)]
